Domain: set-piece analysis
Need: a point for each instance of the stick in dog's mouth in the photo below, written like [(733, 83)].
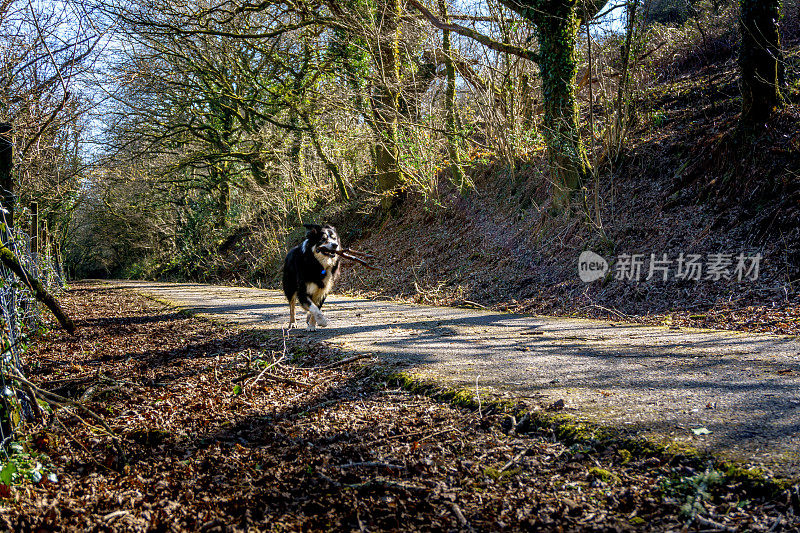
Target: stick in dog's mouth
[(346, 254), (326, 251)]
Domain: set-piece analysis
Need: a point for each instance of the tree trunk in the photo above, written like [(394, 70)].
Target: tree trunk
[(298, 173), (224, 202), (759, 59), (620, 124), (450, 106), (330, 165), (10, 260), (6, 177), (385, 106), (557, 29)]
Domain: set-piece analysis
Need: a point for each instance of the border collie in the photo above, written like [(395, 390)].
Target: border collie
[(309, 272)]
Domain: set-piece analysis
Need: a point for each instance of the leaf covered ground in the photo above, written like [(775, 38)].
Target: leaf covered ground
[(225, 429)]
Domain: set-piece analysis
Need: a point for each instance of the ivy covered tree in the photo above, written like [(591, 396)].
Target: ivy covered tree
[(557, 23), (760, 59)]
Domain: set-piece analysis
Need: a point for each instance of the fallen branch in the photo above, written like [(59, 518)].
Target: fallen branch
[(53, 398), (60, 401), (344, 361), (270, 377), (10, 260)]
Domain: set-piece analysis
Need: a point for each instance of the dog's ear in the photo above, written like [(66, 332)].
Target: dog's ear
[(312, 229)]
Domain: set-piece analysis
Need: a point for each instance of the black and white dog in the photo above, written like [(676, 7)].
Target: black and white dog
[(309, 272)]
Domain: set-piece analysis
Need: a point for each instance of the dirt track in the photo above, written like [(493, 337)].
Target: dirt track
[(745, 389)]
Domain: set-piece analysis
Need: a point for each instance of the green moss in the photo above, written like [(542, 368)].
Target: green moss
[(683, 449), (755, 480), (458, 396), (499, 475), (571, 431), (603, 475), (626, 456)]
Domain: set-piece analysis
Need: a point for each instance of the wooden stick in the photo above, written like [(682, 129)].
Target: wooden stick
[(356, 252), (356, 259)]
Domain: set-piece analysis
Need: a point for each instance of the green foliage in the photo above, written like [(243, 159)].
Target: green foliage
[(23, 466), (693, 490), (7, 473)]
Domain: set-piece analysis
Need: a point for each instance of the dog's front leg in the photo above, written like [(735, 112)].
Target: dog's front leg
[(311, 321), (315, 316), (319, 318)]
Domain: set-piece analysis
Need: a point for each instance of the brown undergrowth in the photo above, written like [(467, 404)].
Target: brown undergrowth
[(227, 429), (686, 182)]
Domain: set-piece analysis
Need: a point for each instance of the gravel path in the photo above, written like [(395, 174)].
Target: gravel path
[(743, 388)]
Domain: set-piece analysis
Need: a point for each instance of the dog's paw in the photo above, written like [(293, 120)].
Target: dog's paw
[(312, 327), (321, 320)]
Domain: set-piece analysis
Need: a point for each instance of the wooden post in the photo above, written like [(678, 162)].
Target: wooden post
[(6, 179), (34, 230)]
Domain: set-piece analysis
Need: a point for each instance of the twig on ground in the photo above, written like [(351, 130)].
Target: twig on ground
[(460, 516), (478, 394), (513, 460), (270, 377), (412, 434), (93, 391), (623, 316), (371, 464), (320, 405), (82, 446), (114, 515), (707, 522), (476, 304), (344, 361), (379, 482), (264, 374)]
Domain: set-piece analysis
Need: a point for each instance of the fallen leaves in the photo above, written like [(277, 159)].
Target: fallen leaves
[(342, 453)]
